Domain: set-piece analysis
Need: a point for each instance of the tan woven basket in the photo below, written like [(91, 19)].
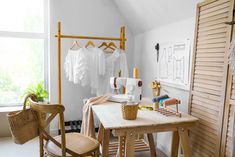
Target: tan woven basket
[(129, 112), (24, 123)]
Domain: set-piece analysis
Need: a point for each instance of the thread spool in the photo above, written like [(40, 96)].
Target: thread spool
[(135, 73), (156, 106), (171, 101), (157, 99)]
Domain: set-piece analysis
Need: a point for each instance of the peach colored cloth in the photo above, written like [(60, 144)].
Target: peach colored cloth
[(88, 127)]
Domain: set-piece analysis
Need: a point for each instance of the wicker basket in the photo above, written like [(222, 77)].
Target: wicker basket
[(129, 112), (24, 123)]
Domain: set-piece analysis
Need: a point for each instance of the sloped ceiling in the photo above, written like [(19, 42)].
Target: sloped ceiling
[(144, 15)]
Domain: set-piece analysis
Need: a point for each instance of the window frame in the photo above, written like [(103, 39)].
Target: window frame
[(31, 35)]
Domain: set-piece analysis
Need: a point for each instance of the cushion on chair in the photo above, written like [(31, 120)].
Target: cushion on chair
[(76, 142)]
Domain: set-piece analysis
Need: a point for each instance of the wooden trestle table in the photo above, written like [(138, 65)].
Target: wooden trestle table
[(147, 122)]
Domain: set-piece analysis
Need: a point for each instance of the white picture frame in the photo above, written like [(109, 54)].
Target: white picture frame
[(173, 65)]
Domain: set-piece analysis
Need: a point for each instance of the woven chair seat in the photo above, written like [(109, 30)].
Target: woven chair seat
[(76, 142)]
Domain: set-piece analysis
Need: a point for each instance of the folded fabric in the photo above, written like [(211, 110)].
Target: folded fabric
[(88, 127)]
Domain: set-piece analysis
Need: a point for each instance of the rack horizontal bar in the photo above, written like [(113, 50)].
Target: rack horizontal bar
[(87, 37)]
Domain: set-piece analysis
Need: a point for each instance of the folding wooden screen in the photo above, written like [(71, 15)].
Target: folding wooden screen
[(228, 135), (209, 76)]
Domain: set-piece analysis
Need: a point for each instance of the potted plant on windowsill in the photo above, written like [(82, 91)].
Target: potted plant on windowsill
[(38, 90)]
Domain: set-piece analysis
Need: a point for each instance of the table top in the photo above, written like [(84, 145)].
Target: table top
[(110, 115)]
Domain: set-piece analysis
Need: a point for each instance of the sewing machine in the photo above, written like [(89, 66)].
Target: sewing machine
[(132, 89)]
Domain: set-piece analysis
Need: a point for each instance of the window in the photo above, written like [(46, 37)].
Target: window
[(23, 47)]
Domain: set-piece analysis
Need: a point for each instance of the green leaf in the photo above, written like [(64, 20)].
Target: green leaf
[(38, 90)]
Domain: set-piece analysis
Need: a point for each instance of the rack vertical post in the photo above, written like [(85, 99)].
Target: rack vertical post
[(59, 62)]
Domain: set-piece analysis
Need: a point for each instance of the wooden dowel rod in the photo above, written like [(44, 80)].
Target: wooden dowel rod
[(59, 62), (123, 38), (87, 37)]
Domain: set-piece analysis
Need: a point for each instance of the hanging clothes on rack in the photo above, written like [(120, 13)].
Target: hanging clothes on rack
[(93, 67), (76, 64), (83, 66), (96, 67), (121, 39), (114, 63)]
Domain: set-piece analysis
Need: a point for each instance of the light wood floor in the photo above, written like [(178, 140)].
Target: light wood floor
[(31, 149)]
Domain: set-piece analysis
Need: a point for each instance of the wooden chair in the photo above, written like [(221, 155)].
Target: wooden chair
[(64, 145)]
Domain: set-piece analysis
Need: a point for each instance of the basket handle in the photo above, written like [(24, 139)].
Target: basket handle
[(32, 96)]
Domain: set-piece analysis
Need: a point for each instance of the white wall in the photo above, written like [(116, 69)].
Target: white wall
[(142, 15), (81, 17), (145, 59)]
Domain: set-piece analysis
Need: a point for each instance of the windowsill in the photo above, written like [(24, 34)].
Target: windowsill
[(10, 108)]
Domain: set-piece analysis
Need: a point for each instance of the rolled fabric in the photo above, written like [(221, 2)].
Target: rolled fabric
[(171, 101), (157, 99)]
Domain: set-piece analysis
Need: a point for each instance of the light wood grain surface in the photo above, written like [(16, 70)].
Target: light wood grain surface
[(110, 116), (210, 85)]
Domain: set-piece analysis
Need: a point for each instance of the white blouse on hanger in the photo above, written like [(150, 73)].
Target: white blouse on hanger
[(96, 66), (76, 66), (113, 64)]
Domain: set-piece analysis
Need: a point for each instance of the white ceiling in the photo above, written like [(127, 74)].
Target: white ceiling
[(144, 15)]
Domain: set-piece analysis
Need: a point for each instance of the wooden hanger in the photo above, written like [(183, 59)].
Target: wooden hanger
[(103, 44), (110, 46), (90, 43), (75, 44)]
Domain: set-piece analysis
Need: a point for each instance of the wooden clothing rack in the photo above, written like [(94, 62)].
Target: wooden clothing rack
[(59, 35)]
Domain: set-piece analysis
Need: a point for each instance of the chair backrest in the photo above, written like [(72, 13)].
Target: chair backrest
[(46, 113)]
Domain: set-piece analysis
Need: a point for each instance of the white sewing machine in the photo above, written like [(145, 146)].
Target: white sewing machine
[(132, 92)]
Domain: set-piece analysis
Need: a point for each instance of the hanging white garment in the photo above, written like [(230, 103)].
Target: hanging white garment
[(96, 67), (70, 61), (113, 64), (121, 65), (82, 67), (232, 55), (76, 66)]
